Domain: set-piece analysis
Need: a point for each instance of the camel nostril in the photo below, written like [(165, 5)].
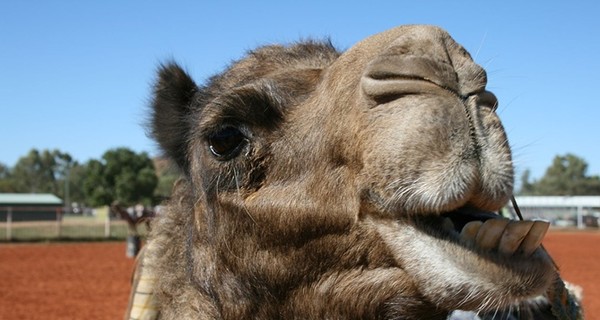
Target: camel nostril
[(390, 77)]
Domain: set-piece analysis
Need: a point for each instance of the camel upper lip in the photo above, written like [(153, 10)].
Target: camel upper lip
[(464, 215)]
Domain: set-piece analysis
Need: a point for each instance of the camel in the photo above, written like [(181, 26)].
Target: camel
[(325, 185)]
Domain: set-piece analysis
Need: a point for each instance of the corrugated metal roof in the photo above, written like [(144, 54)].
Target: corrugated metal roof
[(29, 198), (558, 201)]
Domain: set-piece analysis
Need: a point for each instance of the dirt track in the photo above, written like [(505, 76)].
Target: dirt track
[(578, 257), (91, 280), (64, 281)]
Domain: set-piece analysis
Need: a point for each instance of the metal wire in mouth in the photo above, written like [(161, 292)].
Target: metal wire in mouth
[(516, 207)]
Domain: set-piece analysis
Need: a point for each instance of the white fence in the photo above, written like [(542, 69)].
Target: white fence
[(562, 211), (14, 227)]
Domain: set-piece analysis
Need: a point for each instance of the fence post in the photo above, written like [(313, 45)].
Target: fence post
[(8, 224), (58, 222), (580, 217), (107, 224)]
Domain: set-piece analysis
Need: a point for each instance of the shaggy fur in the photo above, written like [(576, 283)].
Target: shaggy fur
[(314, 185)]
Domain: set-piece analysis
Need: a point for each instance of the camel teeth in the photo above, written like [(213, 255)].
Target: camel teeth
[(490, 233), (506, 236), (469, 231), (513, 236), (534, 237)]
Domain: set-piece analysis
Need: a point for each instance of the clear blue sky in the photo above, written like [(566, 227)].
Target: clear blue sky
[(76, 75)]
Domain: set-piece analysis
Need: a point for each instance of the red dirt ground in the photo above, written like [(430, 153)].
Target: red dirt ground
[(91, 280), (64, 281)]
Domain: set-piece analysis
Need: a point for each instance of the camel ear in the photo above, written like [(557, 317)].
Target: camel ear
[(171, 113)]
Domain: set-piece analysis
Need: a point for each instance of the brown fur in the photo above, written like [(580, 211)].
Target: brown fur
[(331, 207)]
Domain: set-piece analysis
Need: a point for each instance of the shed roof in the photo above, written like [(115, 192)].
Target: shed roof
[(29, 198)]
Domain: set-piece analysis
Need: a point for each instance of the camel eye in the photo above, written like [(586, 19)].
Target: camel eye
[(226, 143)]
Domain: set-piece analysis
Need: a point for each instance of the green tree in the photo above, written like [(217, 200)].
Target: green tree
[(76, 177), (6, 181), (566, 176), (527, 188), (95, 188), (41, 172), (122, 175)]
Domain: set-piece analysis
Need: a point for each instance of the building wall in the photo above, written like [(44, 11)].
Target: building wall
[(29, 213), (564, 211)]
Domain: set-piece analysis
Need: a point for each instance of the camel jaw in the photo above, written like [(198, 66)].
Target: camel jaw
[(489, 232), (471, 259)]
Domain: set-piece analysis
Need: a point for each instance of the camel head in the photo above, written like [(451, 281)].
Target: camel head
[(355, 185)]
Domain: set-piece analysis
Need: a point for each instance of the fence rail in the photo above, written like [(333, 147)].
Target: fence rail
[(62, 226)]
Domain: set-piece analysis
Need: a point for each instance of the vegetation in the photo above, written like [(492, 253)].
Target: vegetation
[(121, 175), (566, 176)]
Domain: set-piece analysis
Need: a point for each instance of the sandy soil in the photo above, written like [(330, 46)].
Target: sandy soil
[(91, 280), (64, 281)]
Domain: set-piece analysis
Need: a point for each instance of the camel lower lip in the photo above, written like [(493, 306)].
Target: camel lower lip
[(491, 232), (492, 256)]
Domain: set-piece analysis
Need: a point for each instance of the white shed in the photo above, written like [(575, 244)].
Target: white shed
[(560, 210)]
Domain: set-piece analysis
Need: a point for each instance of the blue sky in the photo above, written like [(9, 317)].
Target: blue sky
[(76, 75)]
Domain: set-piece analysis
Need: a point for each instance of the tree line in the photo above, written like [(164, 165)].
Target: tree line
[(566, 176), (120, 175), (130, 178)]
